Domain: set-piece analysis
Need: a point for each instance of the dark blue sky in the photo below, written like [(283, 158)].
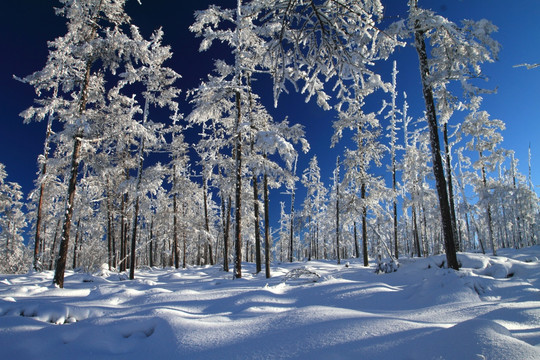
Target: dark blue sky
[(26, 26)]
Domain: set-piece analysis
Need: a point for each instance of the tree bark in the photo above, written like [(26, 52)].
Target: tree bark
[(447, 151), (64, 242)]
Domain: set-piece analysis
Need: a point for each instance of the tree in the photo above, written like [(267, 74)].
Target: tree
[(314, 204), (236, 127), (392, 129), (12, 224), (158, 90), (310, 43), (456, 54), (485, 137), (82, 83)]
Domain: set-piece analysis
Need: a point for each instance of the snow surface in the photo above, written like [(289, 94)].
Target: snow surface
[(490, 309)]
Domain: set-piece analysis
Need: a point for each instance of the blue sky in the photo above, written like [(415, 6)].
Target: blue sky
[(26, 26)]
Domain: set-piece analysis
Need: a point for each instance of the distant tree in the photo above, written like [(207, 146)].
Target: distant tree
[(392, 131), (158, 90), (314, 205), (12, 224), (485, 138)]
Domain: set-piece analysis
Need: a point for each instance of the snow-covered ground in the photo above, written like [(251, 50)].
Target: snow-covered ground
[(318, 310)]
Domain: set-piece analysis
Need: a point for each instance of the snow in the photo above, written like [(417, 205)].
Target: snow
[(490, 309)]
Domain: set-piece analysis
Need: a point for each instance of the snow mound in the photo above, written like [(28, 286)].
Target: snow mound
[(487, 339), (57, 314), (302, 275)]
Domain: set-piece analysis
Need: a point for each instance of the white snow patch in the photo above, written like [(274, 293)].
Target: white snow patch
[(490, 309)]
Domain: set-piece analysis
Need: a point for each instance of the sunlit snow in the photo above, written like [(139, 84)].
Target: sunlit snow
[(490, 309)]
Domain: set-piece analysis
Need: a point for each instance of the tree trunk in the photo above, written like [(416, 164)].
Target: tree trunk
[(364, 226), (151, 248), (227, 221), (488, 209), (396, 249), (258, 264), (449, 176), (110, 230), (238, 204), (337, 212), (184, 239), (134, 240), (208, 244), (266, 226), (77, 238), (415, 232), (438, 169), (175, 232), (64, 242), (356, 246), (39, 216), (291, 229), (53, 246)]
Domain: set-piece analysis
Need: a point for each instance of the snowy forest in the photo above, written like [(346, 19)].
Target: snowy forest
[(130, 179)]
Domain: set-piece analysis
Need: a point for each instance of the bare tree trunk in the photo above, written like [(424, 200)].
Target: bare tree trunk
[(175, 233), (110, 229), (257, 229), (447, 151), (208, 257), (266, 226), (356, 246), (123, 252), (77, 238), (134, 240), (64, 242), (53, 246), (227, 227), (415, 232), (151, 248), (364, 226)]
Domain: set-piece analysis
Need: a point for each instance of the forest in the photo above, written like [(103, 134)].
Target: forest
[(123, 181)]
